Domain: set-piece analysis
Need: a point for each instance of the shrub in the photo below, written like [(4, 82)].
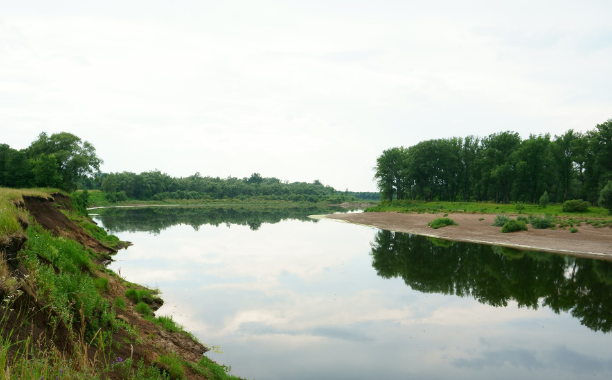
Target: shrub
[(522, 219), (541, 223), (441, 222), (520, 207), (500, 220), (575, 205), (544, 200), (514, 225), (573, 230), (605, 197), (143, 309)]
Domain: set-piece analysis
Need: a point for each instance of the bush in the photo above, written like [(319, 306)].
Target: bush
[(575, 205), (514, 225), (605, 197), (541, 223), (500, 220), (522, 219), (520, 207), (544, 200), (441, 222), (573, 230), (143, 309)]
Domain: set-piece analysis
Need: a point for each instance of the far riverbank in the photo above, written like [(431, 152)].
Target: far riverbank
[(589, 241)]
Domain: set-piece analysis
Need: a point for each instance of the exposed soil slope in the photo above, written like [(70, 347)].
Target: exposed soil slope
[(588, 241), (34, 317), (47, 213)]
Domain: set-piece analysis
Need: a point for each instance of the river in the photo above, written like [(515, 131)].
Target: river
[(289, 297)]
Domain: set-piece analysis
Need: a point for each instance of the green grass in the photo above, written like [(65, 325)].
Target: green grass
[(102, 284), (173, 365), (441, 222), (481, 208), (140, 295), (143, 309), (213, 370), (120, 303)]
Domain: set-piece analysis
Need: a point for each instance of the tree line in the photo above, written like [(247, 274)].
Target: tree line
[(58, 161), (156, 185), (500, 167), (64, 161)]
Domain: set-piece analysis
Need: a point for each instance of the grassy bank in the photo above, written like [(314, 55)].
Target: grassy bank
[(555, 210), (64, 315)]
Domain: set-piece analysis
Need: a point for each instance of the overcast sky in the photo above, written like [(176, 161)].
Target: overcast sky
[(299, 90)]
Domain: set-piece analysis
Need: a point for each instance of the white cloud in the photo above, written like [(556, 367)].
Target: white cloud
[(300, 91)]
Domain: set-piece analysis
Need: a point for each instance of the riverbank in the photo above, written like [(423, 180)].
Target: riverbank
[(65, 315), (589, 241)]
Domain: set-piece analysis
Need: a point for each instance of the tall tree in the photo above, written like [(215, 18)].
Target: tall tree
[(75, 158)]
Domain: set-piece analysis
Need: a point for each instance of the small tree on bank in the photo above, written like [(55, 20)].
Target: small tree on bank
[(605, 197), (544, 200)]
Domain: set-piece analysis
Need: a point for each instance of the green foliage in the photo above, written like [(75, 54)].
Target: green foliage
[(522, 219), (575, 205), (140, 295), (520, 207), (605, 197), (80, 201), (213, 371), (500, 220), (544, 200), (143, 309), (46, 171), (173, 365), (500, 167), (119, 303), (102, 284), (514, 226), (573, 230), (541, 223), (74, 158), (72, 289), (441, 222)]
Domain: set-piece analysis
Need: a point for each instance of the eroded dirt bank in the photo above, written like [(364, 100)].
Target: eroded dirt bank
[(588, 241)]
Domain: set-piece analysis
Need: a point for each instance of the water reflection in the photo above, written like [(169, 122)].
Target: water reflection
[(289, 298), (157, 219), (497, 275)]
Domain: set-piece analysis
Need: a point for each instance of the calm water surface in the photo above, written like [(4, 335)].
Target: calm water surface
[(287, 297)]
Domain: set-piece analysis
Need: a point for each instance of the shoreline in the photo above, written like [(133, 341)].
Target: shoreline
[(589, 242)]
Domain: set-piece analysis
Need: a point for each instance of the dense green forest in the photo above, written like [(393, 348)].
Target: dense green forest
[(498, 275), (501, 167), (64, 161)]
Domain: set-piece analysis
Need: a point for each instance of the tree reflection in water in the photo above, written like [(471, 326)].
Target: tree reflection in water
[(496, 275)]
